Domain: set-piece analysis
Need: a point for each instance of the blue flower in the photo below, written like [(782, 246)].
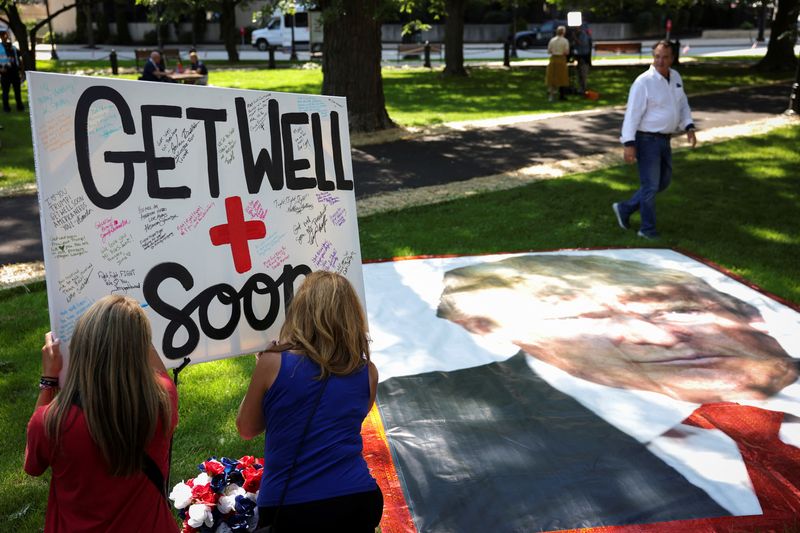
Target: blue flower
[(219, 482), (230, 464), (236, 477), (237, 522), (245, 506)]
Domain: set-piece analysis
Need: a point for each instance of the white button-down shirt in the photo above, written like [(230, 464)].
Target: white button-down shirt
[(656, 105), (708, 458)]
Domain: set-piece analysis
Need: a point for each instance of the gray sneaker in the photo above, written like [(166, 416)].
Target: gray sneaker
[(648, 236), (622, 223)]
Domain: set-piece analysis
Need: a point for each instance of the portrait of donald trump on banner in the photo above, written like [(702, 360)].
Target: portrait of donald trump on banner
[(636, 392)]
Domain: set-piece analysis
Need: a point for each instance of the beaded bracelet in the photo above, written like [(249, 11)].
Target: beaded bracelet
[(47, 382)]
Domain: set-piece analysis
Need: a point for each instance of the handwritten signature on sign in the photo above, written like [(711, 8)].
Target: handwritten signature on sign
[(296, 203), (176, 142), (155, 218), (67, 211), (309, 229), (121, 280), (74, 282), (118, 249), (226, 146), (69, 246)]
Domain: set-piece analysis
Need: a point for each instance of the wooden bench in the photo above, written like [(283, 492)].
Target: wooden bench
[(619, 47), (166, 54), (418, 49)]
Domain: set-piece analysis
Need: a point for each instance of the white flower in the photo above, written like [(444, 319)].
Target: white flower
[(199, 514), (225, 504), (233, 490), (202, 479), (227, 501), (181, 494)]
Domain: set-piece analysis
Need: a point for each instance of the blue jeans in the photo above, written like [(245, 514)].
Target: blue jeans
[(654, 157)]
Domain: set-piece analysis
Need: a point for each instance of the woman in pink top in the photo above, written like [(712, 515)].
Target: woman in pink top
[(557, 75), (105, 435)]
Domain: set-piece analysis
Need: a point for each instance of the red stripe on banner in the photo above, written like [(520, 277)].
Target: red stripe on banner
[(776, 523), (396, 516), (738, 278)]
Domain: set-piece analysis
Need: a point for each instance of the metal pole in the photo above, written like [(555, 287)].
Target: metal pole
[(293, 56), (427, 50)]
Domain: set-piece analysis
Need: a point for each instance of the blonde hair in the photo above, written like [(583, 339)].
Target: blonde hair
[(325, 321), (111, 377), (561, 30)]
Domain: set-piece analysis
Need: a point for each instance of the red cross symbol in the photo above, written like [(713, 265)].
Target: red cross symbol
[(237, 233)]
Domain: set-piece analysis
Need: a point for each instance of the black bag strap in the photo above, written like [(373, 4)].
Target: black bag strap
[(297, 453), (149, 466), (153, 473)]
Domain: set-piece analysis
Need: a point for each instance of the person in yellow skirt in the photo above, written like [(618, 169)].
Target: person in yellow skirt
[(557, 76)]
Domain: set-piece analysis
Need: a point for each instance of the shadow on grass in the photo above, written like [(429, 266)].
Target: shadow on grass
[(734, 203)]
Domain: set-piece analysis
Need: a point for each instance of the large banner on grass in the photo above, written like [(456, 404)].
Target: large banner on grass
[(207, 205), (629, 390)]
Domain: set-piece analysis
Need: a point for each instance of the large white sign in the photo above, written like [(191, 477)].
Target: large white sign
[(207, 205)]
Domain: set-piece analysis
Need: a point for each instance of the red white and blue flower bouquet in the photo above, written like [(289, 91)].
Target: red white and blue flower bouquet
[(222, 498)]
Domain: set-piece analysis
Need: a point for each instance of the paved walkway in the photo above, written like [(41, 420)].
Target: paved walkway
[(461, 158)]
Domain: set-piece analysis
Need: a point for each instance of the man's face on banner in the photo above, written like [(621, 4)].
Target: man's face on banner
[(656, 330)]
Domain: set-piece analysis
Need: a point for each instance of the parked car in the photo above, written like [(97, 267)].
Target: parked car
[(541, 35)]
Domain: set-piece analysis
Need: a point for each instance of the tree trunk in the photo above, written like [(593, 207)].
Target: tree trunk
[(227, 28), (103, 28), (87, 12), (198, 25), (783, 34), (21, 33), (351, 61), (29, 56), (121, 18), (454, 38)]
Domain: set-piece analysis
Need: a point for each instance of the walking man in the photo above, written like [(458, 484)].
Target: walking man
[(657, 107), (582, 51), (10, 71)]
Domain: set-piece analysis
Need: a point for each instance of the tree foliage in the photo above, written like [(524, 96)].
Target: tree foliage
[(26, 38)]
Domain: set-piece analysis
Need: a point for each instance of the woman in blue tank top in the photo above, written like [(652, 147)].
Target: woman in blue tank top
[(321, 362)]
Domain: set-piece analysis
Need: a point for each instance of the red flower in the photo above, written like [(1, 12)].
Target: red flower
[(246, 461), (252, 478), (204, 494), (213, 468), (189, 482), (187, 528)]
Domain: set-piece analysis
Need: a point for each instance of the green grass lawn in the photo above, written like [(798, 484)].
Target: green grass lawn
[(735, 203), (414, 96)]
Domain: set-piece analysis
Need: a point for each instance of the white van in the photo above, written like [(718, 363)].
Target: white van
[(278, 30)]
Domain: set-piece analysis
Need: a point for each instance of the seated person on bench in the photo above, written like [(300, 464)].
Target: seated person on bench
[(154, 69), (195, 65)]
